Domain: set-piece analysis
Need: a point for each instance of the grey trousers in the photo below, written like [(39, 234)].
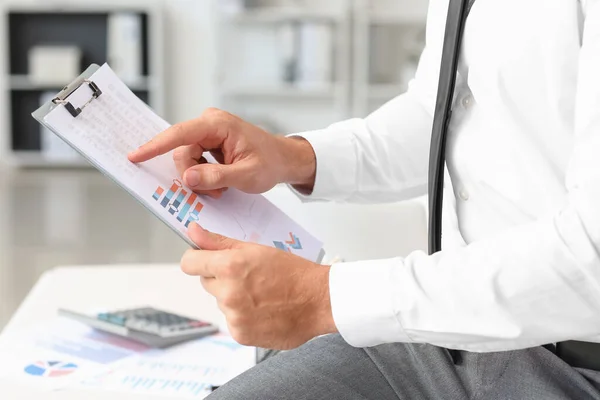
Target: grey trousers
[(329, 368)]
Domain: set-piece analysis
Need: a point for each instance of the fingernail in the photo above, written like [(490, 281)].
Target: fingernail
[(192, 178)]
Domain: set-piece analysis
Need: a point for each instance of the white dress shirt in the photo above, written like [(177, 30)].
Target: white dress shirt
[(520, 261)]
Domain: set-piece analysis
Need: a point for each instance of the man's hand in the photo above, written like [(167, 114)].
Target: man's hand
[(250, 159), (270, 298)]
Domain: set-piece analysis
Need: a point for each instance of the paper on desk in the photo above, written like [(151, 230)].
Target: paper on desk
[(60, 354), (65, 354), (118, 122), (186, 371)]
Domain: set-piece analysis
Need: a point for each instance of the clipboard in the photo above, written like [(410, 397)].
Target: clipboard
[(62, 98), (63, 95), (81, 114)]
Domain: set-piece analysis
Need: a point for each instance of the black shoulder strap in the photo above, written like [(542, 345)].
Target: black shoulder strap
[(457, 15)]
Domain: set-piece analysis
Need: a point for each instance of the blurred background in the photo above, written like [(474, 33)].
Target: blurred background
[(286, 65)]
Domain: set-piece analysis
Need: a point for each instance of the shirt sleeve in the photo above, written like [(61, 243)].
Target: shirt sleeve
[(377, 159), (383, 157), (534, 284)]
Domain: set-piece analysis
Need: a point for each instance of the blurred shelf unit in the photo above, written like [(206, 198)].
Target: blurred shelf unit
[(292, 56), (385, 91), (24, 82), (294, 65), (389, 36), (34, 159), (399, 13), (381, 18), (269, 15), (284, 91), (126, 33)]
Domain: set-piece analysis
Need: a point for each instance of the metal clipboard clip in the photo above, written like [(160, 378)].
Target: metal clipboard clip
[(67, 91)]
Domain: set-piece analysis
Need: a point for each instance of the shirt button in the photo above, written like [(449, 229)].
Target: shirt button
[(464, 195), (468, 101)]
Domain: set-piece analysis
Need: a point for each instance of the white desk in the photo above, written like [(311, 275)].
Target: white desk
[(356, 232), (107, 287)]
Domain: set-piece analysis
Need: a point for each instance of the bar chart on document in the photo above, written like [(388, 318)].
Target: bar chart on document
[(178, 203), (248, 218), (246, 221), (117, 122)]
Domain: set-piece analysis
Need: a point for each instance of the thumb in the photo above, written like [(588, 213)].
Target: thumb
[(210, 241), (213, 176)]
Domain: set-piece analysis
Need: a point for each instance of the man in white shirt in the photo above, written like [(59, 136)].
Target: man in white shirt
[(520, 261)]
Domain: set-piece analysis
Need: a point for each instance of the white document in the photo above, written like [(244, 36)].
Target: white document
[(61, 354), (65, 354), (118, 122), (187, 371)]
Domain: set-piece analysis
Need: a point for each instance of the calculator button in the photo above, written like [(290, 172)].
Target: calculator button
[(165, 331), (152, 328), (139, 325), (177, 327), (118, 320), (112, 318), (103, 316)]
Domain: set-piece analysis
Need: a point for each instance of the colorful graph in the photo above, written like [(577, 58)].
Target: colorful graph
[(50, 369), (288, 245), (177, 201)]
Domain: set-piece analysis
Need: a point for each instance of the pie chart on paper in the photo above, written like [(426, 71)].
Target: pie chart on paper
[(51, 369)]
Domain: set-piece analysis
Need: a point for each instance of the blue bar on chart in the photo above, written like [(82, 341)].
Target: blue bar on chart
[(174, 188), (281, 246), (195, 215), (174, 207), (188, 204)]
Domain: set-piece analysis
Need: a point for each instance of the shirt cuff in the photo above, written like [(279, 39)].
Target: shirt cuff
[(362, 302), (336, 164)]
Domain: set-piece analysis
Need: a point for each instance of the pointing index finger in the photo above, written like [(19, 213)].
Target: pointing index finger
[(178, 135)]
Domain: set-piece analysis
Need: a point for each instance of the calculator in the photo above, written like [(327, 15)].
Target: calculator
[(147, 325)]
